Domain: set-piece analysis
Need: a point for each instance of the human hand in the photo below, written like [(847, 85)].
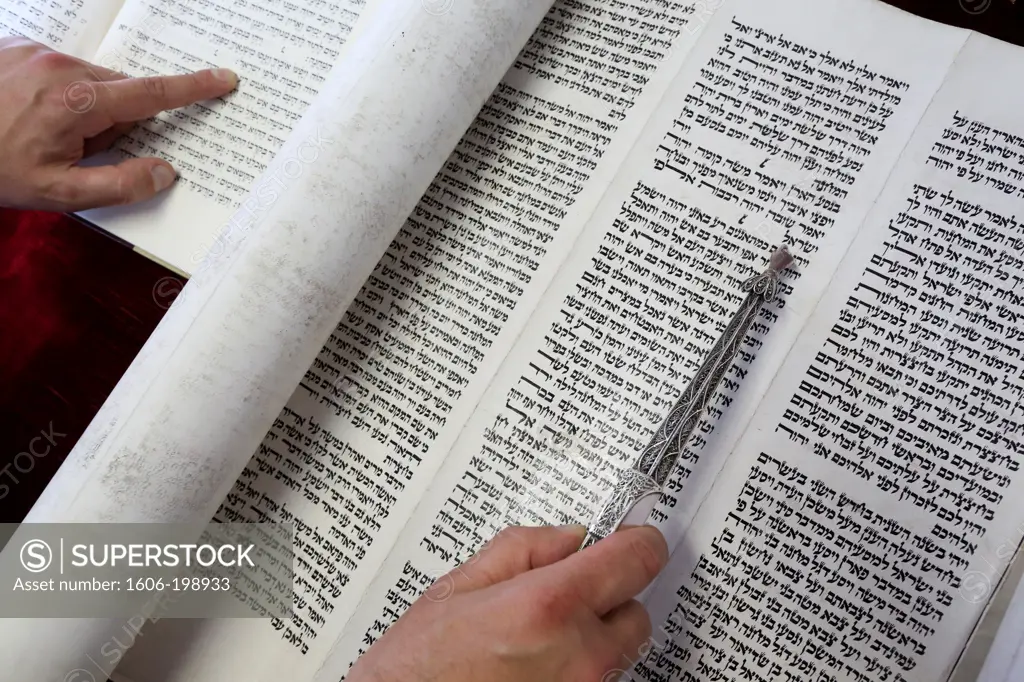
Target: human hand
[(58, 110), (528, 607)]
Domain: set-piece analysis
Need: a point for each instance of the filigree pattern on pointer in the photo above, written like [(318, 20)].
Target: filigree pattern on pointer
[(655, 464)]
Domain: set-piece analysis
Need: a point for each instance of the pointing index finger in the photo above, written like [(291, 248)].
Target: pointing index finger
[(136, 99)]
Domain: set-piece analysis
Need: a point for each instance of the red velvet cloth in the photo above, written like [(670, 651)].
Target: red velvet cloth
[(75, 308)]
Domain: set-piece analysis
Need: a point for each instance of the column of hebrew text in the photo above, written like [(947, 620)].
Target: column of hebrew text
[(655, 276), (873, 506)]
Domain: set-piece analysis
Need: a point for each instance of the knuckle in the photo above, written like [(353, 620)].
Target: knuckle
[(552, 606), (155, 87), (49, 60), (124, 192), (35, 54)]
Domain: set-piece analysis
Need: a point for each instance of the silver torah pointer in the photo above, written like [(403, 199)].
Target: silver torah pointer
[(638, 488)]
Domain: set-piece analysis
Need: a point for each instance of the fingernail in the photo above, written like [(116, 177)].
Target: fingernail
[(573, 529), (163, 177), (628, 526), (226, 76)]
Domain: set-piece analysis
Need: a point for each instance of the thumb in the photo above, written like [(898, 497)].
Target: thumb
[(513, 551), (128, 182)]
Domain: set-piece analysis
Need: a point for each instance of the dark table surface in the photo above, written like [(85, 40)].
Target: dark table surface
[(76, 306)]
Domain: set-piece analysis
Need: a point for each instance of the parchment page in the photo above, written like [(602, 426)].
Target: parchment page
[(655, 274), (1004, 661), (180, 426), (72, 26), (283, 52), (378, 410), (860, 527)]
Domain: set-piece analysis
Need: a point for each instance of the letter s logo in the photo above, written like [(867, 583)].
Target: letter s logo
[(36, 556)]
